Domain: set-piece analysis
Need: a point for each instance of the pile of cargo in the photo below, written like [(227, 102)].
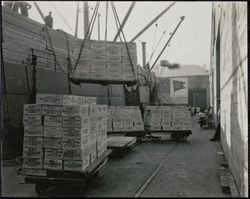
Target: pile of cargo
[(105, 60), (168, 118), (124, 118), (63, 132)]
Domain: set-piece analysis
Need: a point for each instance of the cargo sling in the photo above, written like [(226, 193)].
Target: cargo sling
[(68, 62), (87, 33), (52, 49), (118, 21)]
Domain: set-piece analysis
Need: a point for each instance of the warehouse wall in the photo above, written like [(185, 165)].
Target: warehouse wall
[(199, 82), (229, 54)]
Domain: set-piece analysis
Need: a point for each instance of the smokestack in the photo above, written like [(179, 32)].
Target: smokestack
[(143, 54)]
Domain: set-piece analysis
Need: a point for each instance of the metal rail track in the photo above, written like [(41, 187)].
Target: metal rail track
[(144, 185)]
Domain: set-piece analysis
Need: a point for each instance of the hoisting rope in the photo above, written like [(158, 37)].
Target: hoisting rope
[(150, 58), (93, 23), (117, 18), (53, 52), (82, 45), (117, 25), (68, 62), (3, 82), (155, 32), (106, 22), (62, 17), (27, 78)]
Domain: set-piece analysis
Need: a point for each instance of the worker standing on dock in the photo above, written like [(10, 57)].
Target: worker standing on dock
[(49, 20), (24, 6), (16, 6)]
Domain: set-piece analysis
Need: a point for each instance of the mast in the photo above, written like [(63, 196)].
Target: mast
[(143, 54), (77, 16), (86, 16), (99, 27)]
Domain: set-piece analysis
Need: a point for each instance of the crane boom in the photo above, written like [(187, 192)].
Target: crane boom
[(152, 22), (39, 10), (182, 18), (125, 20)]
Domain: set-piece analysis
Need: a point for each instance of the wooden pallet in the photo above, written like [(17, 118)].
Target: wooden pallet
[(120, 142)]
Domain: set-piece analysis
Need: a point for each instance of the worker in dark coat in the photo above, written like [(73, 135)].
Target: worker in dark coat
[(16, 6), (49, 20), (24, 6)]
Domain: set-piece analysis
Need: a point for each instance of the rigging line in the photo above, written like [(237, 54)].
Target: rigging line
[(3, 77), (86, 35), (62, 18), (27, 78), (106, 22), (116, 23), (172, 34), (51, 45), (154, 37), (93, 24), (113, 6), (150, 58)]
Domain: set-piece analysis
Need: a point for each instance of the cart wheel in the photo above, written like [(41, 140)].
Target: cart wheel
[(40, 189), (175, 137)]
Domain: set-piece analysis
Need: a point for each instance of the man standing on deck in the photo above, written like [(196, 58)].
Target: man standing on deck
[(16, 6), (24, 6), (49, 20)]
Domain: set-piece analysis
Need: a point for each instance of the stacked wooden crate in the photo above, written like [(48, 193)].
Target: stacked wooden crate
[(105, 61), (113, 60), (181, 118), (128, 71), (155, 117), (98, 60), (63, 132), (125, 118), (169, 118), (83, 66)]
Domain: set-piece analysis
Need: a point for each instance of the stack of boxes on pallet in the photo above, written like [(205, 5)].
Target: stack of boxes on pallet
[(154, 117), (169, 118), (124, 118), (63, 132), (105, 60)]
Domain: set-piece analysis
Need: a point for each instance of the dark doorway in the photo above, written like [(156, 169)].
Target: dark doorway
[(218, 70), (198, 98)]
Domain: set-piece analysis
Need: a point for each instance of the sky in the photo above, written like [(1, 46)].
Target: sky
[(189, 46)]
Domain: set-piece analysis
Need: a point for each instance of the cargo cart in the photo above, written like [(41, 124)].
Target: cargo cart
[(176, 135), (134, 133), (44, 178), (120, 144)]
